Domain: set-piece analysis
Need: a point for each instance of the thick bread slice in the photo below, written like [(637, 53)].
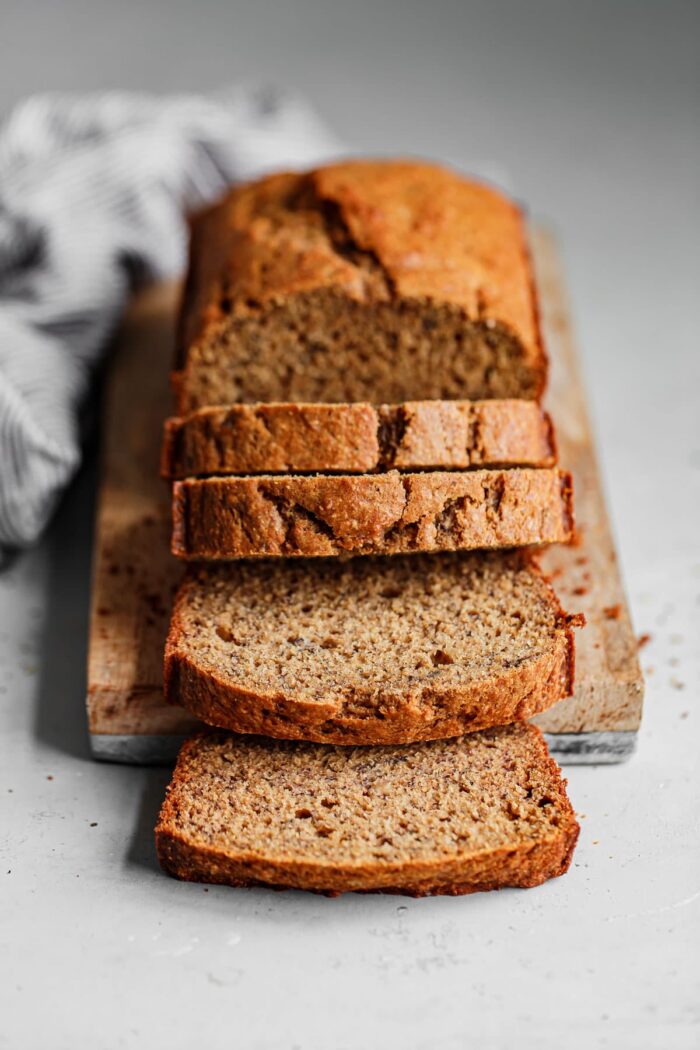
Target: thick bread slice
[(374, 280), (357, 438), (321, 515), (480, 812), (369, 650)]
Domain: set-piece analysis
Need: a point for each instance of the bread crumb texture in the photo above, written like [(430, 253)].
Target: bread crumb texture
[(376, 650), (479, 812)]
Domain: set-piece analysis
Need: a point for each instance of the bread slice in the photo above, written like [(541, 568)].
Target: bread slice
[(385, 281), (321, 515), (357, 438), (477, 813), (369, 650)]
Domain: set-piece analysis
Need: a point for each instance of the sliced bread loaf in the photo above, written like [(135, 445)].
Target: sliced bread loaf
[(477, 813), (357, 438), (321, 515), (368, 650), (373, 280)]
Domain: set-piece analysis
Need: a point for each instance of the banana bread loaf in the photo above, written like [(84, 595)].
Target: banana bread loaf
[(369, 650), (385, 281), (357, 438), (478, 813)]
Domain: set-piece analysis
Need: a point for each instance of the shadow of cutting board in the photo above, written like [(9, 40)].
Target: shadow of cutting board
[(134, 575)]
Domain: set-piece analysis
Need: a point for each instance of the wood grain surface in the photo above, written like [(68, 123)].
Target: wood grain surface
[(134, 575)]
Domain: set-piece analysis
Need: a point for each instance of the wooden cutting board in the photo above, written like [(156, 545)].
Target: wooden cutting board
[(134, 575)]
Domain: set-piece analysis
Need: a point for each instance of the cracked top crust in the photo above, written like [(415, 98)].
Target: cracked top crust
[(357, 438), (392, 513), (374, 230)]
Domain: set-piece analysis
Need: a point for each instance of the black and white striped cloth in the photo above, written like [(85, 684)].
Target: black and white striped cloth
[(92, 196)]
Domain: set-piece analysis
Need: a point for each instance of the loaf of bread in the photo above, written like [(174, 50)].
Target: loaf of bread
[(357, 438), (368, 650), (322, 515), (476, 813), (381, 281)]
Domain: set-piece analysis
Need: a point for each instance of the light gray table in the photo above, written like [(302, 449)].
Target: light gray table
[(593, 109)]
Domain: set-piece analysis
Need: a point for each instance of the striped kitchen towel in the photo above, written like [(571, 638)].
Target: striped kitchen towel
[(93, 191)]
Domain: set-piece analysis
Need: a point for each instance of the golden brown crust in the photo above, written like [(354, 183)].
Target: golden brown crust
[(392, 513), (385, 715), (520, 864), (440, 714), (357, 438), (521, 868), (369, 232), (436, 235)]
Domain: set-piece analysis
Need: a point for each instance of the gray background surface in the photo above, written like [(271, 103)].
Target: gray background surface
[(593, 109)]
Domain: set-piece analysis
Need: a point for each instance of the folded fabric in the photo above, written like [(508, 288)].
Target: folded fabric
[(93, 193)]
